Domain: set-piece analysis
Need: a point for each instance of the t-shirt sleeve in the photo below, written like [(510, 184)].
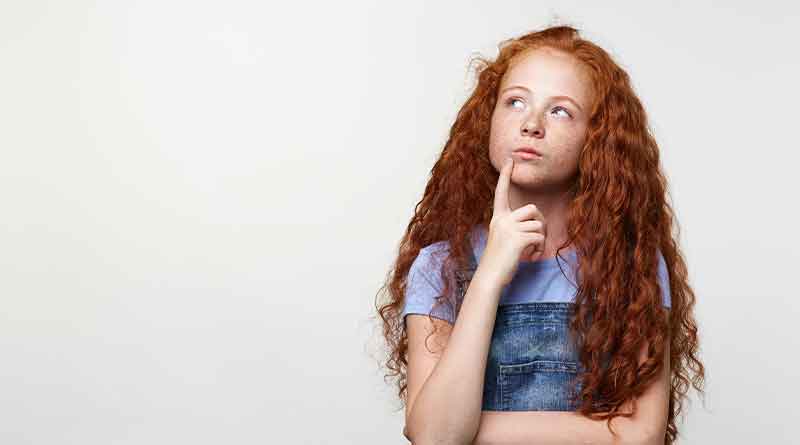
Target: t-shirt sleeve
[(663, 281), (424, 284)]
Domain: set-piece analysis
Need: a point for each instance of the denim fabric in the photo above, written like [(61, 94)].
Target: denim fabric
[(533, 360)]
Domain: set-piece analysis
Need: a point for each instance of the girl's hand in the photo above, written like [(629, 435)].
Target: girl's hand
[(514, 236)]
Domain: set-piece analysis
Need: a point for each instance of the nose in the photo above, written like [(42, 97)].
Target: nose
[(532, 127)]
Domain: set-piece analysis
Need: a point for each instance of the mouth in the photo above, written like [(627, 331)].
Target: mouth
[(527, 153)]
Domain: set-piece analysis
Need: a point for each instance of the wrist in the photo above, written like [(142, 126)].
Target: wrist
[(487, 281)]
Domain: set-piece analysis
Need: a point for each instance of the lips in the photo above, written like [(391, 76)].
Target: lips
[(528, 150)]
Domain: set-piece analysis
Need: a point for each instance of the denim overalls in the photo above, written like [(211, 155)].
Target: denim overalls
[(532, 359)]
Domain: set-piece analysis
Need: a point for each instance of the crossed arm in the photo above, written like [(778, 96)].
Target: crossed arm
[(646, 427)]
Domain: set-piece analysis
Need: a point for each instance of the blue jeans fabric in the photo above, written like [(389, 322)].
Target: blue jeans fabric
[(533, 362)]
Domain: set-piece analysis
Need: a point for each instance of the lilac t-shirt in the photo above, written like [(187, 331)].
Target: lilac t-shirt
[(535, 281)]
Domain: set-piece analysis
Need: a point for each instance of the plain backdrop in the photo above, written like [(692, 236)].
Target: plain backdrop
[(200, 201)]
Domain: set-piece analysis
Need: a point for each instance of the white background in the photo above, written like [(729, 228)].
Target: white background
[(200, 201)]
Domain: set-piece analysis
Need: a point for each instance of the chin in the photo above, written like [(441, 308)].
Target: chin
[(529, 183)]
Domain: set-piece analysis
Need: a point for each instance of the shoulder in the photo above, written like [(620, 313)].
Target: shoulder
[(425, 268), (424, 283), (431, 255)]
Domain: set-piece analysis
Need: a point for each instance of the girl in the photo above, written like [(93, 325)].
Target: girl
[(542, 263)]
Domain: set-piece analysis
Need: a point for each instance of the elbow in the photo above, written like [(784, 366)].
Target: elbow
[(654, 439), (407, 434), (415, 436), (425, 433), (431, 439), (649, 436)]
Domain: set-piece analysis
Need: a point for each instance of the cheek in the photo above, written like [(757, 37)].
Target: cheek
[(570, 153), (568, 149), (499, 136), (502, 130), (571, 139)]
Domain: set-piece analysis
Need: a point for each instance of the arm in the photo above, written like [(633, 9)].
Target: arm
[(646, 427), (445, 392)]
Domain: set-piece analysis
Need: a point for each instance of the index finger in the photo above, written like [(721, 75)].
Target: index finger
[(501, 190)]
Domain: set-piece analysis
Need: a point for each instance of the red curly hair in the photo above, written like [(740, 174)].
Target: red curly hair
[(618, 219)]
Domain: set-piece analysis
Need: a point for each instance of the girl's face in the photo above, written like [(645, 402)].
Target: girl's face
[(543, 102)]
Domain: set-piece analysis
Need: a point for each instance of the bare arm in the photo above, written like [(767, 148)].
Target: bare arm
[(646, 427), (444, 404), (445, 393)]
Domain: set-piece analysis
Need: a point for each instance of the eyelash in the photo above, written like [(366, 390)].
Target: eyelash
[(512, 99)]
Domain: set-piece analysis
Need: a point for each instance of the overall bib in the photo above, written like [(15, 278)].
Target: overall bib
[(532, 360)]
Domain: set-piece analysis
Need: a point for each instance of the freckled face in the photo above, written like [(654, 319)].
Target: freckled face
[(529, 113)]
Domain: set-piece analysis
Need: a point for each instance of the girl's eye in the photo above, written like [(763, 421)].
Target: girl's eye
[(514, 99), (562, 108)]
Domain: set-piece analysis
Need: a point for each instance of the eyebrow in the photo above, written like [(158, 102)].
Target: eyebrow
[(552, 97)]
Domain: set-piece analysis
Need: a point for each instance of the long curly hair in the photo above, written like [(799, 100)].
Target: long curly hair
[(617, 220)]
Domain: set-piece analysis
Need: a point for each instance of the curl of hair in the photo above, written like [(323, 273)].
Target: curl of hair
[(618, 218)]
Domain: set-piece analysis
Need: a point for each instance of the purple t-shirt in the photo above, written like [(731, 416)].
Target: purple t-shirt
[(534, 281)]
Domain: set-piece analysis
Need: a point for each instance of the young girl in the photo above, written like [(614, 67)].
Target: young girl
[(541, 262)]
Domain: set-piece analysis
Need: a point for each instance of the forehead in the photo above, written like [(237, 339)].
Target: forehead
[(549, 72)]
